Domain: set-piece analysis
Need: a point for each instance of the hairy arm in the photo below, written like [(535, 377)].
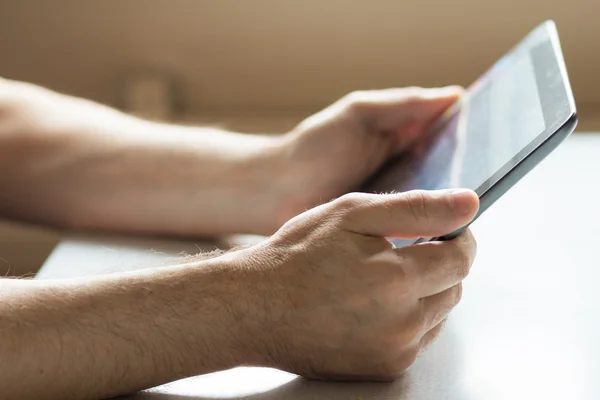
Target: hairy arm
[(104, 336), (72, 163)]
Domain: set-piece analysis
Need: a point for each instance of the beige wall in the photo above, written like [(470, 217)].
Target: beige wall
[(270, 62), (282, 56)]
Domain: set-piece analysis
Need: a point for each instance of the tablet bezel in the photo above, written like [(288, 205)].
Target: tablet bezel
[(554, 89)]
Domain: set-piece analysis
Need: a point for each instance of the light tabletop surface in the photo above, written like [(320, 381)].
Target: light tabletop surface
[(528, 326)]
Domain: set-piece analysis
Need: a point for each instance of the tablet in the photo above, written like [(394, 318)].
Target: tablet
[(510, 119)]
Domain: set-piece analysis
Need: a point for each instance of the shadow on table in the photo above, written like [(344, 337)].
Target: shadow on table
[(439, 373)]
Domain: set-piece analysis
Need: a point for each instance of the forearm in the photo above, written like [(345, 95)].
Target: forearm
[(72, 163), (100, 337)]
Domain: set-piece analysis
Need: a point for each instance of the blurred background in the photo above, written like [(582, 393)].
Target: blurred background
[(263, 65)]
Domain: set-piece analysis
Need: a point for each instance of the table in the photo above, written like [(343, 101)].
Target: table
[(527, 328)]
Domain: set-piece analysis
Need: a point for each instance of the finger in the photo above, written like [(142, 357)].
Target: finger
[(430, 336), (437, 307), (390, 109), (438, 266), (408, 215)]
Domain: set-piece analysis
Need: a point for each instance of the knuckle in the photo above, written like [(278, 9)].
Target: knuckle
[(464, 259), (417, 202), (389, 208), (350, 201), (429, 338), (459, 255), (463, 266), (413, 94), (457, 294), (357, 100), (472, 242), (412, 90)]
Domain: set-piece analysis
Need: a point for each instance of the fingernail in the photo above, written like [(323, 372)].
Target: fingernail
[(462, 201)]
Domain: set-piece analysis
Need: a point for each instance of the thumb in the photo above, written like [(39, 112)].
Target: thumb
[(409, 215), (390, 109)]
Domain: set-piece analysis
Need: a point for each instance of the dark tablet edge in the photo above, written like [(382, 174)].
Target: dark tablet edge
[(516, 174)]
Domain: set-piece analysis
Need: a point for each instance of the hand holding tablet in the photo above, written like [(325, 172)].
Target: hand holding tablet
[(506, 123)]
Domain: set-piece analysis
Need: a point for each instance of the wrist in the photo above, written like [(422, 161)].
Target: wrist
[(265, 183), (200, 315), (237, 308), (293, 181)]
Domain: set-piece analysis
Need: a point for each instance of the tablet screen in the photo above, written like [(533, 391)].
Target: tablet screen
[(498, 117), (512, 117)]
